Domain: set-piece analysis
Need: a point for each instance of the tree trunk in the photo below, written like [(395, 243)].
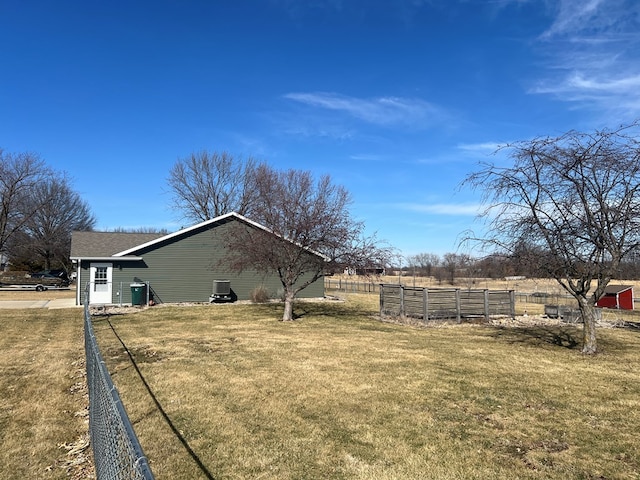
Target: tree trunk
[(287, 316), (589, 343)]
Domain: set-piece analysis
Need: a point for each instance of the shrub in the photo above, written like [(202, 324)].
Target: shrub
[(260, 294)]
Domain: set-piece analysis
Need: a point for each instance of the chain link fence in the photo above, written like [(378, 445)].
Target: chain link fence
[(116, 450)]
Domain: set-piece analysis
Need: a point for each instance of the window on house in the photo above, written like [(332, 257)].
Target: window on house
[(100, 281)]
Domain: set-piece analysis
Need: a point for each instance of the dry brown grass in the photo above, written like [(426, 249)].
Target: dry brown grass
[(43, 402), (33, 295), (520, 286), (526, 285), (341, 395)]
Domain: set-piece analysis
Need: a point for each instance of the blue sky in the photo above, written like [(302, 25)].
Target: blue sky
[(397, 100)]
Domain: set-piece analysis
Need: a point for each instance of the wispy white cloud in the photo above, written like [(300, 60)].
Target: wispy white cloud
[(574, 16), (485, 148), (383, 111), (368, 157), (326, 130), (592, 52), (465, 209), (608, 84)]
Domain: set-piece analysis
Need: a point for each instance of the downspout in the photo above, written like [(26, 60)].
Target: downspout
[(79, 300)]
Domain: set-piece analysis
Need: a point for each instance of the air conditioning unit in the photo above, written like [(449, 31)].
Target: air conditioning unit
[(221, 291)]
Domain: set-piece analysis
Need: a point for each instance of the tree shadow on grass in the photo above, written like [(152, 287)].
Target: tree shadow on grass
[(330, 308), (160, 409), (565, 337)]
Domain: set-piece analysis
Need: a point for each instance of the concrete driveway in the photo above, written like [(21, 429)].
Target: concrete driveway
[(50, 304)]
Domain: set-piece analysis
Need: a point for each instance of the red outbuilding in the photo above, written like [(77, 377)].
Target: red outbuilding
[(617, 296)]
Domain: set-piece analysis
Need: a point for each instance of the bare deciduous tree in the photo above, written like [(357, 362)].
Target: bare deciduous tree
[(424, 263), (20, 175), (159, 231), (45, 238), (452, 263), (576, 198), (311, 229), (206, 185)]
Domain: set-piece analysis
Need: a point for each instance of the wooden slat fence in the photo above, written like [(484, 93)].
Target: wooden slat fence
[(444, 303)]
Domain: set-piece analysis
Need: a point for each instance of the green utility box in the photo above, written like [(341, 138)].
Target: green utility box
[(138, 294)]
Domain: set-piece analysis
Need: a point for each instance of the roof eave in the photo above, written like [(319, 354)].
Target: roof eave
[(178, 233), (128, 258), (208, 222)]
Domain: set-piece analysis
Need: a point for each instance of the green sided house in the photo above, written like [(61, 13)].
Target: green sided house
[(184, 266)]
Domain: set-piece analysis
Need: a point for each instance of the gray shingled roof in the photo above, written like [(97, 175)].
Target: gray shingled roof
[(105, 244), (614, 289)]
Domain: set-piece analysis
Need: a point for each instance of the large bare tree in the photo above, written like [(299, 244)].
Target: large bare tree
[(424, 263), (206, 185), (20, 175), (575, 199), (452, 263), (45, 238), (310, 229)]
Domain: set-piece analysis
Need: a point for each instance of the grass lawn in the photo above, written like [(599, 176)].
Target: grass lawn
[(43, 427), (341, 395), (50, 294)]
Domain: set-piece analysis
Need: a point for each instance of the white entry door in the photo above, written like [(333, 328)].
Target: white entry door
[(101, 283)]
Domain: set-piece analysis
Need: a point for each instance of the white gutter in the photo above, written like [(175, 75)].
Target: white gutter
[(107, 259)]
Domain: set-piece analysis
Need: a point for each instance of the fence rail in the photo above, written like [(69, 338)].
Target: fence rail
[(351, 286), (444, 303), (116, 450), (543, 298), (354, 286)]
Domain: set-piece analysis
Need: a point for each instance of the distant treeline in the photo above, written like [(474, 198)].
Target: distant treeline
[(446, 268)]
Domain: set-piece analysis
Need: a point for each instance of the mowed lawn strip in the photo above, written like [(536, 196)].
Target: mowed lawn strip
[(25, 294), (340, 394), (43, 401)]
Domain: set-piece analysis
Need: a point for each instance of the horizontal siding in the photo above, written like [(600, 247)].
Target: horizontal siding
[(183, 270)]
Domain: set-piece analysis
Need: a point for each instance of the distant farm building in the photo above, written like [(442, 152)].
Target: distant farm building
[(617, 296), (364, 271)]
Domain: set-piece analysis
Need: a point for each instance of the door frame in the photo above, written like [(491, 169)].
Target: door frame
[(100, 292)]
